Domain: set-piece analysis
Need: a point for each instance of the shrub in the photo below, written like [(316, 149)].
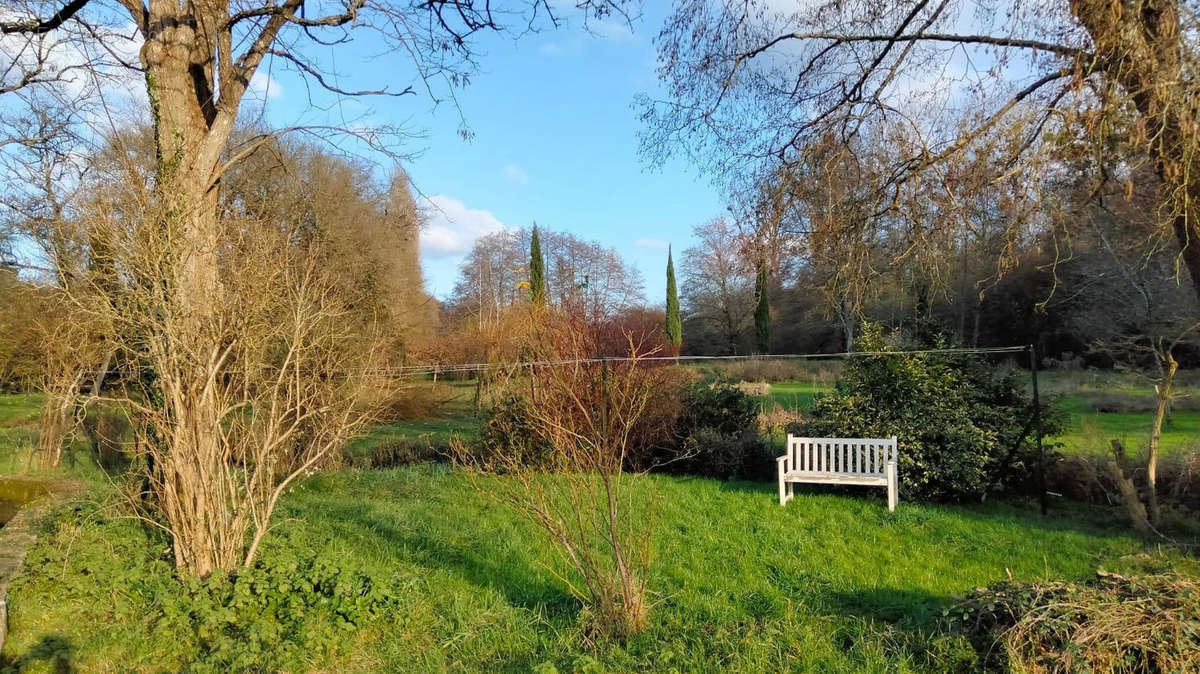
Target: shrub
[(107, 432), (774, 420), (772, 370), (510, 434), (419, 400), (717, 434), (1112, 624), (600, 525), (963, 426), (279, 609), (404, 452), (1086, 476), (1125, 403)]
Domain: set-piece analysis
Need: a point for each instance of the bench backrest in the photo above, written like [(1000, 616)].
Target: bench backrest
[(844, 456)]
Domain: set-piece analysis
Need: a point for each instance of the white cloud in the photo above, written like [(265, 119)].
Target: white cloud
[(656, 244), (514, 174), (263, 86), (551, 50), (451, 228)]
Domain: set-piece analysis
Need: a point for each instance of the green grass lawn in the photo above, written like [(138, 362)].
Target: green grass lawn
[(1089, 430), (457, 419), (793, 395), (829, 583), (18, 431), (832, 582)]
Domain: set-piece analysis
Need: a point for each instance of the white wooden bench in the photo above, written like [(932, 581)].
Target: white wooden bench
[(869, 462)]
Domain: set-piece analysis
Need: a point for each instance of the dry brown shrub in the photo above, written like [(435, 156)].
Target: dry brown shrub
[(773, 421), (408, 400), (108, 435), (1112, 624), (236, 384), (767, 369), (598, 515), (1088, 476)]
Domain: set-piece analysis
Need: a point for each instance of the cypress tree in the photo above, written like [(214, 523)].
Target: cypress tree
[(762, 311), (674, 324), (537, 270)]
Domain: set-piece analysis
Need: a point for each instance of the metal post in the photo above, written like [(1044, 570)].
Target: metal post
[(1037, 424), (604, 397)]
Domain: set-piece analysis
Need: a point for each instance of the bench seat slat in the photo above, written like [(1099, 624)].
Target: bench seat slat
[(835, 478)]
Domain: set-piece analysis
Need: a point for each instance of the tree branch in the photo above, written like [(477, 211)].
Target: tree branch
[(37, 26), (840, 38), (315, 74)]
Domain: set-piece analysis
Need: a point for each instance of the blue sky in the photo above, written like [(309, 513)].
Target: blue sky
[(555, 140)]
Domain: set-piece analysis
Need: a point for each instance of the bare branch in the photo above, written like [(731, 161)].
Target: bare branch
[(38, 26)]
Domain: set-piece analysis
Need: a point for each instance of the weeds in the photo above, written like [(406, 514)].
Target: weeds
[(1111, 624)]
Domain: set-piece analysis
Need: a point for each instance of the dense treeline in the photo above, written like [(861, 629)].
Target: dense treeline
[(1090, 283), (365, 231)]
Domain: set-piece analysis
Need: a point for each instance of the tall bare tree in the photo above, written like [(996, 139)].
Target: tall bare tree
[(583, 277), (1122, 297), (718, 288), (198, 58), (752, 86)]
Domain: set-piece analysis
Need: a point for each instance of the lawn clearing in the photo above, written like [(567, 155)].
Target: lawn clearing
[(797, 396), (18, 431), (831, 582)]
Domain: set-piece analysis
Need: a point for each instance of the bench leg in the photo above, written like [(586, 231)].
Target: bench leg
[(785, 488), (791, 490), (782, 487), (893, 486)]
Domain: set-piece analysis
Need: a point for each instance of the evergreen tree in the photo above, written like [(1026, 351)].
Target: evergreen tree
[(674, 324), (762, 311), (537, 270)]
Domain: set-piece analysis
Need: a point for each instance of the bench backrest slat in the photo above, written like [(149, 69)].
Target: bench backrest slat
[(842, 456)]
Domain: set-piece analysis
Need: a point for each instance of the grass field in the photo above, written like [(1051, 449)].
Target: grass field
[(830, 583), (833, 582), (18, 424)]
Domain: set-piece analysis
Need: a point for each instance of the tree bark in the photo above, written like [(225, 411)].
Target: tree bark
[(1129, 495), (1164, 402)]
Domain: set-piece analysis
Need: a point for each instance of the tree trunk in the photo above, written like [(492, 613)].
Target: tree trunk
[(1129, 496), (1187, 233), (193, 472), (1164, 401)]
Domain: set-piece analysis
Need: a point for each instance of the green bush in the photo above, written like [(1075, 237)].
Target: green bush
[(717, 435), (275, 610), (509, 432), (964, 427)]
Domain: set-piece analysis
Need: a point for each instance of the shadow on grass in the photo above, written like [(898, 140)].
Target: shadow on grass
[(477, 564), (906, 609), (1022, 510), (54, 650)]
